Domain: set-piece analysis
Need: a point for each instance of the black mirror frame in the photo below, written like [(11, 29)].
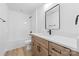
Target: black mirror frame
[(50, 9)]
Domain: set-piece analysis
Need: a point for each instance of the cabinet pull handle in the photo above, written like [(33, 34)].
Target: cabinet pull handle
[(49, 55), (56, 50), (38, 48)]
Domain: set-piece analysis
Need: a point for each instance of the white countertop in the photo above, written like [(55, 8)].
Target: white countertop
[(68, 42)]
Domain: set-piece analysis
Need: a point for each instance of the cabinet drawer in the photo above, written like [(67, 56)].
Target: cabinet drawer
[(74, 53), (59, 49), (41, 41)]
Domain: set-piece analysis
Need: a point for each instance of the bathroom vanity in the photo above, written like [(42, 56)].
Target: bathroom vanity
[(43, 46)]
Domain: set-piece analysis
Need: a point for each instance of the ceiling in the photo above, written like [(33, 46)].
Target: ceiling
[(26, 8)]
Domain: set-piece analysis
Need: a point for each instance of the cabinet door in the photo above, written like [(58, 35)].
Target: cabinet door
[(74, 53), (43, 51), (41, 41), (35, 49), (38, 49)]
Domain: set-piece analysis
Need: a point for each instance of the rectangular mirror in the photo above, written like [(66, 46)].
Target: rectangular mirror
[(52, 18)]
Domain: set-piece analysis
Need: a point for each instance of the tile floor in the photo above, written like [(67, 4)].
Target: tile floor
[(19, 52)]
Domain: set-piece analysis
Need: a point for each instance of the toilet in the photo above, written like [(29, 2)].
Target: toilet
[(28, 43)]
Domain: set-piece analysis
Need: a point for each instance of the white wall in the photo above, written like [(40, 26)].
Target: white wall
[(68, 17), (68, 14), (3, 11), (13, 32), (38, 22), (3, 27), (34, 22), (17, 29), (40, 19)]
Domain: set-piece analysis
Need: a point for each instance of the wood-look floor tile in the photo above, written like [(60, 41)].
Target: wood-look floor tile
[(19, 52)]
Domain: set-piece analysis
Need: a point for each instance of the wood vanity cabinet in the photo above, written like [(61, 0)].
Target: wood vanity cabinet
[(42, 47)]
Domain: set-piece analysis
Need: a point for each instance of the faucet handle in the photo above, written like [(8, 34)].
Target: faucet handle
[(49, 31)]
